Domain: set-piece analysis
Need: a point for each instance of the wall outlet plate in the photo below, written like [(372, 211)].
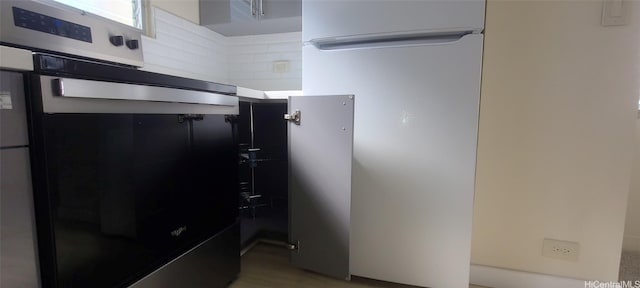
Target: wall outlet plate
[(281, 66), (560, 249)]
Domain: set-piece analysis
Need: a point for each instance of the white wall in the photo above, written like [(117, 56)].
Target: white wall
[(187, 9), (251, 61), (632, 226), (558, 109)]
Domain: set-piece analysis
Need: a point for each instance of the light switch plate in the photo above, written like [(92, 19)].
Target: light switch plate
[(615, 12)]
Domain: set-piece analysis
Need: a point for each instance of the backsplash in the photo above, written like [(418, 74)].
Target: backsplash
[(182, 48), (251, 61)]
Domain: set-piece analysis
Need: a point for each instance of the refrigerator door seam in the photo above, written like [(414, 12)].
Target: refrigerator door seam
[(13, 147)]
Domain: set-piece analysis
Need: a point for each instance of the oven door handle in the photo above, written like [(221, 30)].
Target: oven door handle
[(77, 88)]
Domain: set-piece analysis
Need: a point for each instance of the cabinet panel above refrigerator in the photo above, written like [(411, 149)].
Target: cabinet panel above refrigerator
[(357, 17)]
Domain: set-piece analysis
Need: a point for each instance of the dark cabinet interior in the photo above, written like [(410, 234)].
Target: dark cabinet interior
[(262, 135)]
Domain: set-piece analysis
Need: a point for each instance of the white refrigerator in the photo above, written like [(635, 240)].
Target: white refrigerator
[(414, 68)]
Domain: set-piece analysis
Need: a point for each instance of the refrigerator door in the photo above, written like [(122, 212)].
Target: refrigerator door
[(339, 18), (320, 157), (13, 115), (415, 141)]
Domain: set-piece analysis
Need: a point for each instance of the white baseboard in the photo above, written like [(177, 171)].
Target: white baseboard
[(504, 278)]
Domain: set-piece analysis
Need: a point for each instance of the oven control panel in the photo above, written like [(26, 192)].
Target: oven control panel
[(58, 29), (43, 23)]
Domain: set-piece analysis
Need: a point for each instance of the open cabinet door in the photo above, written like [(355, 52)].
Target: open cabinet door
[(320, 155)]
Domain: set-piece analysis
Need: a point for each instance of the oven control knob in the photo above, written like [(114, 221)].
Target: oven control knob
[(133, 44), (116, 40)]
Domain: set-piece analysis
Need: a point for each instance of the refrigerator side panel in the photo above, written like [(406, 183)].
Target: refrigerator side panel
[(415, 135), (19, 264), (333, 18), (17, 234)]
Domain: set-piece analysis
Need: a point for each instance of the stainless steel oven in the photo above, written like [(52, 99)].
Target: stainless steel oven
[(134, 173)]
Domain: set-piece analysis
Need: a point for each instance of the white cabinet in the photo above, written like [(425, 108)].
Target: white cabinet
[(251, 17), (320, 144), (317, 143)]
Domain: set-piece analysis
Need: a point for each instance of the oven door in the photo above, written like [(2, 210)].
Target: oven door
[(125, 191)]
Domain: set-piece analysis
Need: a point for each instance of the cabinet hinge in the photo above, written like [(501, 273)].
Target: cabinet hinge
[(295, 117)]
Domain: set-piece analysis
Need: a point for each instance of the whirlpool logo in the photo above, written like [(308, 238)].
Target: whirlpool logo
[(177, 232)]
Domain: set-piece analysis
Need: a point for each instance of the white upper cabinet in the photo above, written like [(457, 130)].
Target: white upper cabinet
[(361, 17), (251, 17)]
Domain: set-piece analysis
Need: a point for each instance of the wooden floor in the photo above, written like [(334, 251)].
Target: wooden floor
[(267, 266)]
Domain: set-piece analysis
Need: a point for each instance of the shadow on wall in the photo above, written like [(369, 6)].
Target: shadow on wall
[(632, 225)]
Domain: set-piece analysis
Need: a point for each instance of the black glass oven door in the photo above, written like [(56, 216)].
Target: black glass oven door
[(130, 192)]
